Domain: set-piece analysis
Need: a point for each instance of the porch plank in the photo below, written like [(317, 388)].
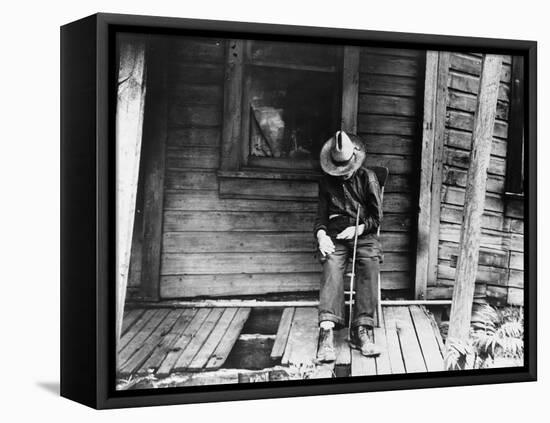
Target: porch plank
[(130, 317), (198, 340), (426, 339), (343, 350), (436, 331), (412, 354), (167, 342), (141, 336), (301, 347), (323, 371), (148, 345), (383, 365), (225, 346), (283, 331), (136, 327), (179, 346), (361, 365), (208, 348), (394, 349)]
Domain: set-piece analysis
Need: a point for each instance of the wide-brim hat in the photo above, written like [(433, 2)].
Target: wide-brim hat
[(342, 153)]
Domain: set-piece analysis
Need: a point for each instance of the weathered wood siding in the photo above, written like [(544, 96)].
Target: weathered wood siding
[(500, 271), (214, 246), (224, 245), (390, 108)]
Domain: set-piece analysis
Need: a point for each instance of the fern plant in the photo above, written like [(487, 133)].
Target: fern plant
[(458, 355), (493, 332), (496, 332)]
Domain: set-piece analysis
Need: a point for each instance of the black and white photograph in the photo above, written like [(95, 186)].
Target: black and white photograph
[(293, 210)]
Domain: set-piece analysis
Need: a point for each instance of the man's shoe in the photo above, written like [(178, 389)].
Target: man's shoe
[(326, 352), (362, 340)]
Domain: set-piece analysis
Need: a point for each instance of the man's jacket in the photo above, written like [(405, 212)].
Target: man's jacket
[(338, 197)]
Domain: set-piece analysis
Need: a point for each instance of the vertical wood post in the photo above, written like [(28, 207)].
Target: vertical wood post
[(437, 175), (232, 105), (426, 171), (466, 271), (154, 158), (433, 139), (350, 89), (129, 124)]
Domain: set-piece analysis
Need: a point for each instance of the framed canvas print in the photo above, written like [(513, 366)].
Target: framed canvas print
[(254, 211)]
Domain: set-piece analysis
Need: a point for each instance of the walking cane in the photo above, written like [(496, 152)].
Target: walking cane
[(352, 276)]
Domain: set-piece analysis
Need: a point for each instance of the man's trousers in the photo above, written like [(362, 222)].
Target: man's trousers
[(367, 266)]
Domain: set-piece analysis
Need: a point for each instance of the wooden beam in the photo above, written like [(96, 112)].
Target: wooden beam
[(233, 88), (154, 159), (437, 174), (264, 304), (435, 107), (426, 170), (350, 89), (129, 124), (463, 292)]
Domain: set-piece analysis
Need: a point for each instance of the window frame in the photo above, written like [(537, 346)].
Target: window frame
[(249, 65), (515, 154), (235, 148)]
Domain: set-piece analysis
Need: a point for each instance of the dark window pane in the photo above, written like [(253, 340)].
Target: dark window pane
[(292, 110)]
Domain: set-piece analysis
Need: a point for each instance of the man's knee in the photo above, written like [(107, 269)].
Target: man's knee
[(335, 261), (369, 262)]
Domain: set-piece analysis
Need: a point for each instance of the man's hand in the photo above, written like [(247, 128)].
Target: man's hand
[(326, 246), (349, 232)]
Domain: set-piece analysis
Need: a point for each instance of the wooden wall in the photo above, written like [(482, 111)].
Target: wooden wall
[(255, 238), (390, 107), (216, 246), (500, 272), (226, 245)]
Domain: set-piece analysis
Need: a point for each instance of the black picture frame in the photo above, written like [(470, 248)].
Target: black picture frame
[(88, 222)]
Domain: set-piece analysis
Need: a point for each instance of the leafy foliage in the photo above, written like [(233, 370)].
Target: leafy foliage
[(457, 354), (493, 333)]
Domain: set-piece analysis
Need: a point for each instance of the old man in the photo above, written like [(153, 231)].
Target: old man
[(346, 185)]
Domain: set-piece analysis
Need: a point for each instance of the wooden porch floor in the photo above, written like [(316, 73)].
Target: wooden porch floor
[(165, 341), (408, 335)]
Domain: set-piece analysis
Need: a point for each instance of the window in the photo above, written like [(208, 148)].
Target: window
[(282, 102), (516, 131), (290, 102)]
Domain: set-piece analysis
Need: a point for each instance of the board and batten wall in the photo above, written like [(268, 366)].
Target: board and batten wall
[(500, 271), (215, 245)]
